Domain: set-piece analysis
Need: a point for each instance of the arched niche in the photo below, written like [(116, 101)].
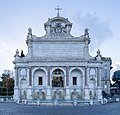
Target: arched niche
[(92, 86), (23, 83), (58, 78), (39, 78), (23, 88), (76, 78), (92, 72), (23, 72)]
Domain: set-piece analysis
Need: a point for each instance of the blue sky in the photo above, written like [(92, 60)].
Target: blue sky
[(100, 16)]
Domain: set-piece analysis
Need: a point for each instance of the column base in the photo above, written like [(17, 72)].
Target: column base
[(16, 94), (48, 95), (67, 96), (87, 96), (29, 92), (99, 93)]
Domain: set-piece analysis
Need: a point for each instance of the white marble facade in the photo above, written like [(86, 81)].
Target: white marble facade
[(59, 66)]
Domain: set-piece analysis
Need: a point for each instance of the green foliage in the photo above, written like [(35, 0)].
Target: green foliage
[(7, 86), (116, 76), (3, 91)]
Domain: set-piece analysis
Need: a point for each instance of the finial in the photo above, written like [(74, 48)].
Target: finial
[(17, 53), (30, 31), (99, 56), (86, 32), (99, 53), (58, 9)]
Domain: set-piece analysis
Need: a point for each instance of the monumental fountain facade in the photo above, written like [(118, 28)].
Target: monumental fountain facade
[(59, 66)]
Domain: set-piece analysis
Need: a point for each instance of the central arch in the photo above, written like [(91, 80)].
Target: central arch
[(58, 78)]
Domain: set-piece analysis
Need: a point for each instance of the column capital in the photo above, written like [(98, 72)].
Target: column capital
[(87, 67), (16, 67)]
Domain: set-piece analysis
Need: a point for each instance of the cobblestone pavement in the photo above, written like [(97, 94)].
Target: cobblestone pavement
[(15, 109)]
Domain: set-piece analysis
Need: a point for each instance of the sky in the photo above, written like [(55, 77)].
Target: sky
[(101, 17)]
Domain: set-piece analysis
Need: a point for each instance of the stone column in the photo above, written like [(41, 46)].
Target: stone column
[(67, 91), (86, 83), (67, 76), (98, 76), (29, 89), (48, 95), (16, 91), (30, 77), (99, 88), (17, 77), (48, 76)]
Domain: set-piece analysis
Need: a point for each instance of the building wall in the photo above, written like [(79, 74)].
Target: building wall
[(57, 57)]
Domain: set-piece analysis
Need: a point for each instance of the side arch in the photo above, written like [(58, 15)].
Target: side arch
[(76, 78), (39, 77)]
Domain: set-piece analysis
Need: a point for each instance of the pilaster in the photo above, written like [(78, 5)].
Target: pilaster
[(16, 77), (67, 96), (99, 76)]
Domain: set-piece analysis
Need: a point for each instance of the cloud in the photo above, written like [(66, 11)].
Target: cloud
[(99, 29)]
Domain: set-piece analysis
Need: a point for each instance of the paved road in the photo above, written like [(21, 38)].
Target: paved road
[(15, 109)]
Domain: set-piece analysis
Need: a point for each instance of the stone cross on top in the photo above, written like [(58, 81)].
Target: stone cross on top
[(58, 9)]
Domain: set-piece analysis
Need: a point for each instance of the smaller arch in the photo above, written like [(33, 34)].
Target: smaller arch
[(39, 77), (23, 81), (58, 78), (39, 68), (23, 71), (92, 86), (61, 68), (76, 77), (92, 71), (77, 68)]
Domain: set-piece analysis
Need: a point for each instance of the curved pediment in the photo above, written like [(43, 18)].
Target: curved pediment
[(58, 27)]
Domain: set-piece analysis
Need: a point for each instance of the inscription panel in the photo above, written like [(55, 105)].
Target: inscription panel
[(57, 50)]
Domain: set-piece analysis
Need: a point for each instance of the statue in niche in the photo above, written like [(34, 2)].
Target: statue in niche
[(24, 95), (91, 95), (57, 82)]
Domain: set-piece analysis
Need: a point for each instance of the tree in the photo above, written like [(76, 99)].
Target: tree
[(116, 76), (8, 83), (116, 79)]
